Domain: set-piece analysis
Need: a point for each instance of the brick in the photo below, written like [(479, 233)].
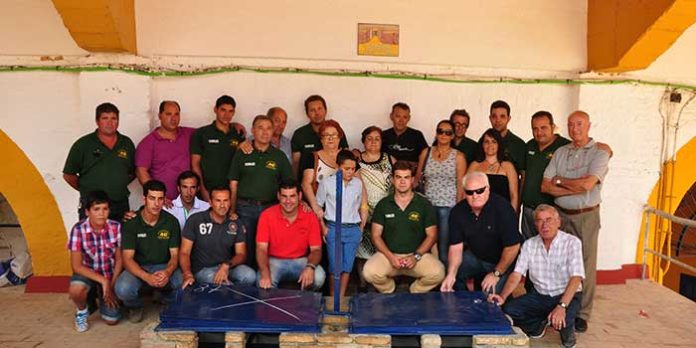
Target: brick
[(235, 337), (193, 344), (520, 338), (179, 336), (431, 341), (372, 339), (289, 337), (148, 332), (334, 338), (235, 344), (157, 344)]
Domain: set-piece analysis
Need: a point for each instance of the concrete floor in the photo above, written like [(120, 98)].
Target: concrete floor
[(668, 320)]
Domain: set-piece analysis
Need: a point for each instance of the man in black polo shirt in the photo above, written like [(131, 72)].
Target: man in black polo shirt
[(487, 224), (213, 146), (103, 161), (461, 120), (254, 180), (305, 139), (514, 146), (213, 248), (540, 150), (404, 229), (401, 141), (150, 244)]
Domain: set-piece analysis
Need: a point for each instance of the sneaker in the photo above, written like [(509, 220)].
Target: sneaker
[(135, 315), (580, 325), (81, 324), (541, 331)]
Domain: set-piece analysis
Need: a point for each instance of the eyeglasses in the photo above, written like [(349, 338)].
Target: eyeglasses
[(477, 191), (330, 136), (447, 132)]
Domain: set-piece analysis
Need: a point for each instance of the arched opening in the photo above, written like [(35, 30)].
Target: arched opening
[(37, 213), (683, 243)]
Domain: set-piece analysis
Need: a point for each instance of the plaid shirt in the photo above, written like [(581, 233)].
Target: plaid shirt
[(550, 271), (98, 248)]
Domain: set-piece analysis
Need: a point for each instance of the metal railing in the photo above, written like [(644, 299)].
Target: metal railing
[(646, 250)]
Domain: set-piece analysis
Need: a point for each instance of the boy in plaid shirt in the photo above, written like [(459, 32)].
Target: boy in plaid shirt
[(95, 256)]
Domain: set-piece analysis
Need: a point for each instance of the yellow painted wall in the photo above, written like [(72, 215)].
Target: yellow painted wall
[(36, 209), (677, 178)]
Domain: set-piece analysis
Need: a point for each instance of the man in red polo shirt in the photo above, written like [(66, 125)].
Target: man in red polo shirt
[(283, 235)]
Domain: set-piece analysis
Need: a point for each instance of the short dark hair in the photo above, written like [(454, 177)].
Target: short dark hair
[(188, 174), (105, 108), (313, 98), (459, 112), (93, 198), (500, 104), (491, 132), (275, 109), (220, 188), (345, 155), (402, 165), (289, 184), (450, 123), (542, 113), (260, 118), (369, 130), (401, 105), (154, 185), (165, 102), (225, 99)]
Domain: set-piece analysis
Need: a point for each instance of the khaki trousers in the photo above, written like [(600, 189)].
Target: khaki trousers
[(586, 227), (379, 272)]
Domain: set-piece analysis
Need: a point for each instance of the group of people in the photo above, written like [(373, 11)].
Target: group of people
[(220, 206)]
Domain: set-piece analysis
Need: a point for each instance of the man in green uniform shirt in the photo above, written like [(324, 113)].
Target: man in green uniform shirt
[(150, 244), (103, 160), (213, 146), (404, 229), (514, 146), (305, 139), (254, 180), (461, 120), (540, 149)]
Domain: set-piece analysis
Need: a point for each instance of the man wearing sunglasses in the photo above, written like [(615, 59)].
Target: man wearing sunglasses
[(484, 238)]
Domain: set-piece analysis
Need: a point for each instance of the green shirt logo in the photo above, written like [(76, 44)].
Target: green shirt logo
[(163, 234), (122, 153), (271, 165), (234, 142), (414, 216)]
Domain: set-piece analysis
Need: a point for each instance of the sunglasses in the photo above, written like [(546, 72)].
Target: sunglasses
[(477, 191), (445, 132)]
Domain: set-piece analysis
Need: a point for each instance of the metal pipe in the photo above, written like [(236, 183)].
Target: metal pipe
[(679, 220), (645, 244), (673, 260)]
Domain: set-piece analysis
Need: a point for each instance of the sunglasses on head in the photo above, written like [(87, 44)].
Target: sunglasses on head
[(444, 131), (477, 191)]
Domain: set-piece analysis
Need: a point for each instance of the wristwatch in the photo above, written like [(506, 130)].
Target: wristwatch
[(417, 256), (496, 273), (563, 305), (558, 182), (312, 266)]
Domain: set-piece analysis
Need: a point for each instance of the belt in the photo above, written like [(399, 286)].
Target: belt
[(344, 225), (253, 202), (578, 211)]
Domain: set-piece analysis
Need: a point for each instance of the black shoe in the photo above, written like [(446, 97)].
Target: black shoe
[(539, 333), (568, 338), (580, 325)]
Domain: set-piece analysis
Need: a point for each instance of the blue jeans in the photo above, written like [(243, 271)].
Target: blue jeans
[(249, 216), (239, 275), (350, 240), (128, 286), (94, 294), (290, 270), (531, 310), (443, 233), (473, 267)]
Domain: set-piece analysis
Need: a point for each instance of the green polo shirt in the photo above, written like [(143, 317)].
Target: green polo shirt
[(305, 140), (151, 243), (515, 150), (259, 173), (101, 168), (216, 149), (536, 163), (468, 147), (404, 230)]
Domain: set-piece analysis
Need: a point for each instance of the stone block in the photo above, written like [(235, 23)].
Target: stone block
[(372, 339), (334, 338), (518, 339), (235, 337), (431, 341), (290, 337)]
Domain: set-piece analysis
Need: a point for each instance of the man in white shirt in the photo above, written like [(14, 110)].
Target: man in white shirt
[(187, 204), (553, 262)]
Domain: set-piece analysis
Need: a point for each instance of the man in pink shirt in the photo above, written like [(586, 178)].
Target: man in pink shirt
[(164, 153)]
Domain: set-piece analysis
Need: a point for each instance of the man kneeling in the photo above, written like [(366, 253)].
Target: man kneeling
[(553, 259), (213, 247)]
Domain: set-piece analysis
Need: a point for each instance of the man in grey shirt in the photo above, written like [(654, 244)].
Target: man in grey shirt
[(574, 177)]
